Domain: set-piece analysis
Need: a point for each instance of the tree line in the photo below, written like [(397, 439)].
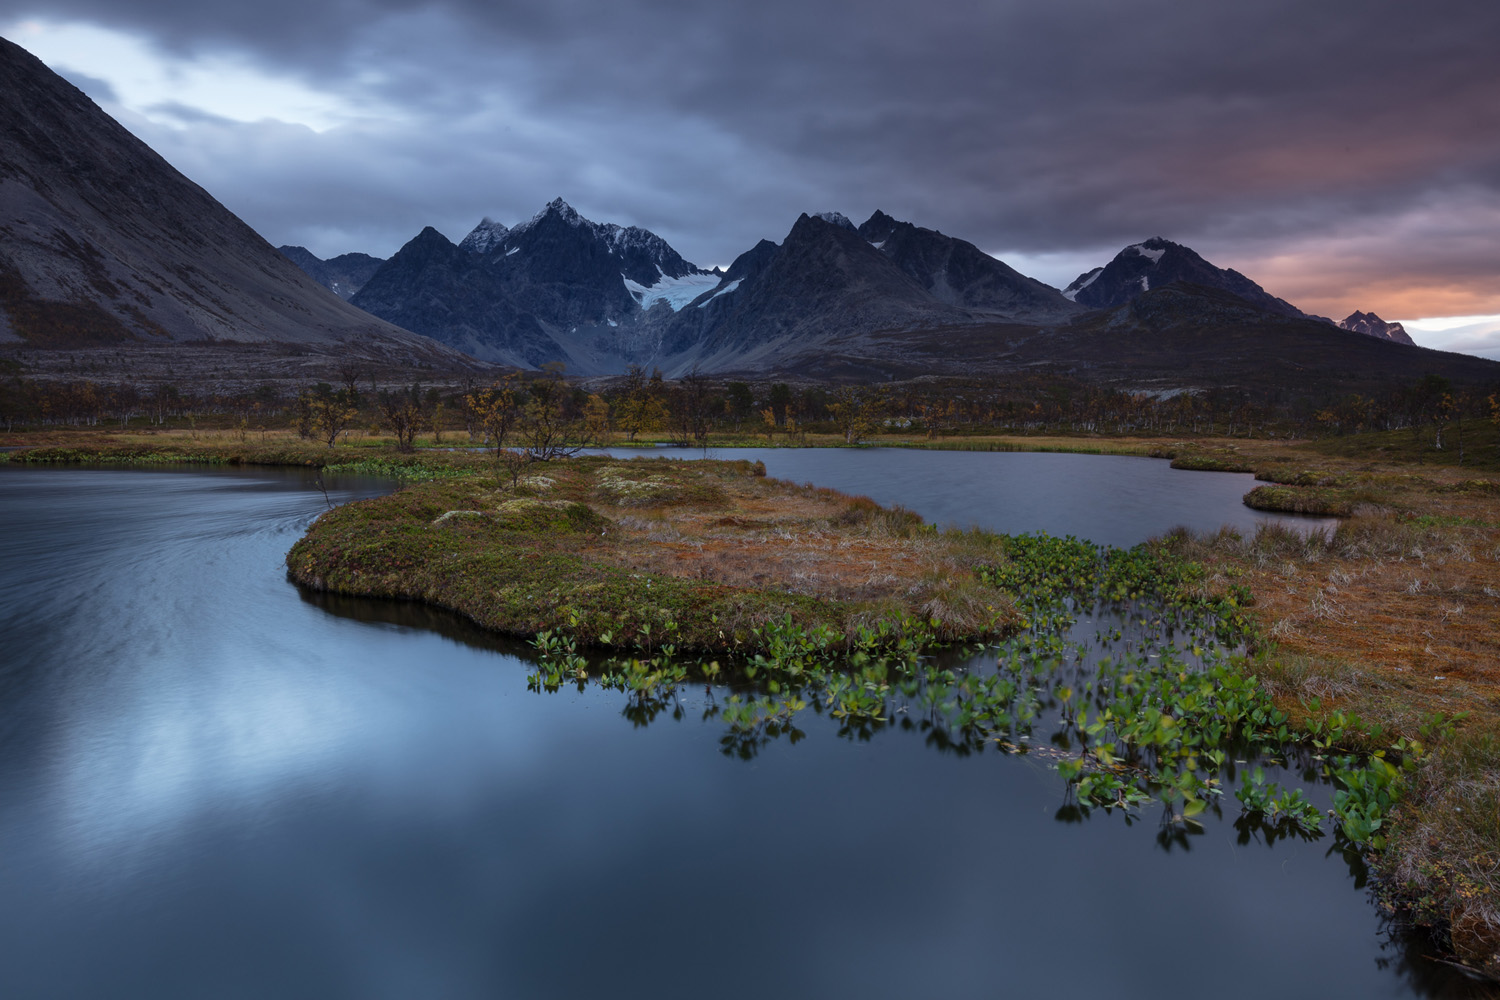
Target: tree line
[(546, 415)]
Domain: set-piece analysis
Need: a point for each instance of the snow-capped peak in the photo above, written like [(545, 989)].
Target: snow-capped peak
[(1153, 253), (556, 207), (838, 219), (485, 237)]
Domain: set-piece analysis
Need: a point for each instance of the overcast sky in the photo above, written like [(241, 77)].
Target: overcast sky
[(1343, 153)]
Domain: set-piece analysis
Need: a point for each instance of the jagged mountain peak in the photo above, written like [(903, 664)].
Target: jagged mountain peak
[(1372, 325), (559, 207), (958, 273), (555, 210), (838, 219), (486, 236), (343, 275), (428, 237)]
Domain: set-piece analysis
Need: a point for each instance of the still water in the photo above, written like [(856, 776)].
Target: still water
[(1108, 499), (212, 784)]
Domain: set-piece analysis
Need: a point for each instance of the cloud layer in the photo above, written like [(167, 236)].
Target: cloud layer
[(1346, 154)]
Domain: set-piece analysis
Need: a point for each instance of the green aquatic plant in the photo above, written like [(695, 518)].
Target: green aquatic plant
[(1156, 707)]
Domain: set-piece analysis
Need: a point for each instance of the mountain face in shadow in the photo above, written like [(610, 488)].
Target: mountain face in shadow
[(598, 296), (106, 243), (343, 275)]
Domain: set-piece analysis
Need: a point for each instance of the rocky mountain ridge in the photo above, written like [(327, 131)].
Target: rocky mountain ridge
[(106, 243), (1158, 262), (1373, 326), (599, 296)]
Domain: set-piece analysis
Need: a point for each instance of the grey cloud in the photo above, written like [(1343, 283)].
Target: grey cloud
[(1041, 128), (98, 90)]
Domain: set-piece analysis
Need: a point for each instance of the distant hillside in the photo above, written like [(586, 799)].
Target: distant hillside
[(1156, 263), (106, 243), (1175, 337), (342, 275)]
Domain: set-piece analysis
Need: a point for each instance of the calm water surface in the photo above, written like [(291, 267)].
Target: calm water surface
[(1109, 499), (213, 785)]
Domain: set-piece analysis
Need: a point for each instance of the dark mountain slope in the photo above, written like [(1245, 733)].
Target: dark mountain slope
[(1180, 336), (104, 242), (777, 303), (448, 293), (342, 275), (1157, 262), (958, 273)]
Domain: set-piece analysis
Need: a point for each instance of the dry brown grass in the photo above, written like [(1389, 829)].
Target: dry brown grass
[(811, 541), (1395, 615)]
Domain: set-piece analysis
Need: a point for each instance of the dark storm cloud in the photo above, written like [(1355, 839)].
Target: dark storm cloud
[(1253, 131)]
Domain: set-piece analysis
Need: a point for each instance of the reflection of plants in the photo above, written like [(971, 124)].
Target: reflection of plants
[(1153, 709), (1274, 805)]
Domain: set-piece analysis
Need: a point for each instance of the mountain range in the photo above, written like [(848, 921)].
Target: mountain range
[(597, 296), (105, 245)]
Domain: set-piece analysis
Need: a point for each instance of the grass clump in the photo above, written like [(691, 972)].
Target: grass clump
[(1326, 501)]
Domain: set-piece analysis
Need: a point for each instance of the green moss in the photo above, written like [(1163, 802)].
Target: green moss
[(1302, 500), (1212, 463)]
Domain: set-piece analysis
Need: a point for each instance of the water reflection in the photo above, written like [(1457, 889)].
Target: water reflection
[(1108, 499), (211, 785)]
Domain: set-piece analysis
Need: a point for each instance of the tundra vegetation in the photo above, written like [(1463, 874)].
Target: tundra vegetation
[(1366, 655)]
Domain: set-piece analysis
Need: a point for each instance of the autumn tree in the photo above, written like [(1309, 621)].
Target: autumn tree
[(553, 419), (405, 411), (329, 411), (855, 412), (493, 412), (639, 407)]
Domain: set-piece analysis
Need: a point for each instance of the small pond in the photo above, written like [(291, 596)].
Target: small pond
[(212, 784)]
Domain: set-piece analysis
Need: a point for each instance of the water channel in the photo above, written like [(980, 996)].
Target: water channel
[(214, 784)]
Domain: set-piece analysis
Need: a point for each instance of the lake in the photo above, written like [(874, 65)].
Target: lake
[(213, 784)]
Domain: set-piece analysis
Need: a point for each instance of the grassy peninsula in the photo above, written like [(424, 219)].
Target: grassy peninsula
[(701, 555)]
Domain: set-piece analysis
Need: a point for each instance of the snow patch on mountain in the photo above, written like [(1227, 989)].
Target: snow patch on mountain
[(838, 219), (1145, 251), (675, 292), (1080, 283), (723, 291)]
